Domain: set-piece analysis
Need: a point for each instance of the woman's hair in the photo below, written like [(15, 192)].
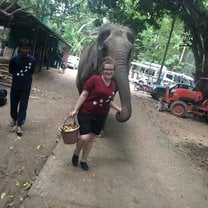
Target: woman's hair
[(24, 42), (108, 60)]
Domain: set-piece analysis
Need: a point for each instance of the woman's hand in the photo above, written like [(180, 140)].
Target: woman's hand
[(115, 107), (73, 113), (119, 110)]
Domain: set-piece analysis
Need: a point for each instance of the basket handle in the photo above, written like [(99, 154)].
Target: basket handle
[(73, 118)]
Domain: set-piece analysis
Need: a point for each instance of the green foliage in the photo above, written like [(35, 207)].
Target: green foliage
[(80, 36), (39, 8), (77, 20), (194, 15), (153, 41), (151, 21), (139, 14), (78, 27), (71, 19)]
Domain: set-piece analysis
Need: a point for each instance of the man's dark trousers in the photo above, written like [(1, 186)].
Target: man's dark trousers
[(19, 97)]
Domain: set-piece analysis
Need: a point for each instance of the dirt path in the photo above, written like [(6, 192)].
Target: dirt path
[(189, 135), (52, 97), (21, 159)]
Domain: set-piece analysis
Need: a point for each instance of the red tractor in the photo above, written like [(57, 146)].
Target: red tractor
[(182, 101)]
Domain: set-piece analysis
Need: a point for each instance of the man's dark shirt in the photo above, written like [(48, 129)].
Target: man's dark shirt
[(22, 69)]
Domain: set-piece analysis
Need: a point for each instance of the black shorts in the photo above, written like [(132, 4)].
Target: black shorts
[(90, 124)]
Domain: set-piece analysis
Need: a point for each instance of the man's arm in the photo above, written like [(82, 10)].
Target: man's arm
[(11, 65), (33, 64)]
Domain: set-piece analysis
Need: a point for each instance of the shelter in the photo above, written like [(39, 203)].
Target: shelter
[(18, 24)]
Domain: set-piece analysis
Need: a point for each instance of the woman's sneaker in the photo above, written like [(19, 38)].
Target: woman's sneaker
[(84, 165), (75, 160)]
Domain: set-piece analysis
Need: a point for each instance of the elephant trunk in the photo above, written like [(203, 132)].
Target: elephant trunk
[(121, 78)]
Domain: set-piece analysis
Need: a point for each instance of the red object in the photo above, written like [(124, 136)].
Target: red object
[(182, 101), (100, 96)]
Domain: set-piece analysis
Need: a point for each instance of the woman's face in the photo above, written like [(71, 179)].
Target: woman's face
[(108, 70)]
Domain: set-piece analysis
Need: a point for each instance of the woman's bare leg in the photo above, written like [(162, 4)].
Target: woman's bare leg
[(87, 148), (84, 139)]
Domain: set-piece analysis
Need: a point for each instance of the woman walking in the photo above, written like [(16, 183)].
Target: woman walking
[(92, 108)]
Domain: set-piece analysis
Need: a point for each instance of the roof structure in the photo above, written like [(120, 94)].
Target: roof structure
[(12, 15)]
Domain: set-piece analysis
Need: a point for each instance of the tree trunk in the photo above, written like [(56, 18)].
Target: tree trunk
[(198, 52), (205, 71)]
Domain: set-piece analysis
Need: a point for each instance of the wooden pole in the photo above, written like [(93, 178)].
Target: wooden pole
[(166, 49)]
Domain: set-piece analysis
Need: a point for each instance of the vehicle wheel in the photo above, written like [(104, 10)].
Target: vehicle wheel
[(141, 82), (154, 97), (138, 87), (135, 87), (206, 118), (178, 108), (159, 95), (3, 102)]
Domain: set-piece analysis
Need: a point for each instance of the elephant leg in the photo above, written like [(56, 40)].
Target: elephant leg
[(102, 133)]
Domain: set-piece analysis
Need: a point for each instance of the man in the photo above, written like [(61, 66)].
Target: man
[(59, 59), (21, 67)]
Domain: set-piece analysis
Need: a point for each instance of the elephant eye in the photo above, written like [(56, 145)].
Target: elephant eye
[(130, 37), (103, 36)]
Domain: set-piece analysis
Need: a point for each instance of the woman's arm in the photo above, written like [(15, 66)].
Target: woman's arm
[(115, 106), (79, 103)]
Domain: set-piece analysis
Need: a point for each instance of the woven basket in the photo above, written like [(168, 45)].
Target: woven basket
[(72, 136)]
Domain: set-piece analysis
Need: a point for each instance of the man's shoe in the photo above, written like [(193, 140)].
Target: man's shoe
[(84, 165), (75, 160), (19, 131), (12, 123)]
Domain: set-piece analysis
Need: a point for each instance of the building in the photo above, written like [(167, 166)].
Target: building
[(15, 23)]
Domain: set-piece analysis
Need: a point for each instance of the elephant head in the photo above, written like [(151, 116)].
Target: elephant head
[(116, 42)]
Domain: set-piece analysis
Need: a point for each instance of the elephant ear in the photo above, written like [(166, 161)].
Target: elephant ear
[(88, 61), (101, 50), (131, 35), (87, 66), (93, 58)]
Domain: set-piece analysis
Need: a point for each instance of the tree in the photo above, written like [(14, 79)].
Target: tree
[(151, 45), (194, 15), (79, 27), (71, 19), (140, 13)]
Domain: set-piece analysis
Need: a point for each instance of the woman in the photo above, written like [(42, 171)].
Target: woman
[(92, 107)]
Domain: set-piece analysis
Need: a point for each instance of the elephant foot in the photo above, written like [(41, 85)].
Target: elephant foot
[(102, 134)]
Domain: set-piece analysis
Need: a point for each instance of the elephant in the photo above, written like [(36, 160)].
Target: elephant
[(116, 42)]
